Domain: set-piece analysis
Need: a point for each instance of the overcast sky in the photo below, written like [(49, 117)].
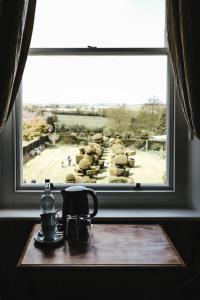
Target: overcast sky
[(101, 23), (94, 80)]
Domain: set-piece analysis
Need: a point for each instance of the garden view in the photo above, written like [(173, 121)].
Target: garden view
[(95, 143)]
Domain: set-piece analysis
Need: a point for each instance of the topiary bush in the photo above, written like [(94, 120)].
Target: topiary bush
[(84, 164), (121, 159), (70, 178), (118, 180)]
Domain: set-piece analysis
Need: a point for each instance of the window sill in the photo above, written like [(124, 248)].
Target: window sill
[(112, 214)]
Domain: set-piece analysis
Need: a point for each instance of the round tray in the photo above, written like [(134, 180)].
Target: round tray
[(39, 239)]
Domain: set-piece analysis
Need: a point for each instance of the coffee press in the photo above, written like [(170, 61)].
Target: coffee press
[(76, 217)]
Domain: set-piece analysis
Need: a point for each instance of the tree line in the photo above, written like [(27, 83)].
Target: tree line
[(148, 120)]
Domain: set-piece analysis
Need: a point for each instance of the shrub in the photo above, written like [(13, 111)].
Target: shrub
[(126, 135), (98, 137), (70, 178), (118, 180), (117, 134), (139, 143), (156, 146), (84, 164), (117, 147), (108, 131), (121, 159)]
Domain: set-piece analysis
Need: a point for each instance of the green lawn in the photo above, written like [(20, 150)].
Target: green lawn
[(87, 121)]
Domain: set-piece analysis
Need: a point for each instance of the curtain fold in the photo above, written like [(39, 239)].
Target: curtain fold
[(183, 31), (16, 25)]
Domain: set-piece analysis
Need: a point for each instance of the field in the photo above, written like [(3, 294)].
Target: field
[(87, 121), (150, 166)]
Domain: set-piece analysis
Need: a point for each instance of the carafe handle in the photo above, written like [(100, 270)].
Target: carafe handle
[(94, 196)]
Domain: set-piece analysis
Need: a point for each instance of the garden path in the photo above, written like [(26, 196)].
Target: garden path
[(149, 165)]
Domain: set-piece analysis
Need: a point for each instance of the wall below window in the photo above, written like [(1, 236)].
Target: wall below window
[(14, 233), (194, 173)]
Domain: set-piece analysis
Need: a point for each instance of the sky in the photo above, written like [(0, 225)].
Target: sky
[(101, 23), (94, 80)]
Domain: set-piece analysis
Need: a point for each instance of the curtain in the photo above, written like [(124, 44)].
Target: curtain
[(183, 31), (16, 24)]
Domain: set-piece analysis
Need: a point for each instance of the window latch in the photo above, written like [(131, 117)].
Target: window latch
[(92, 47), (138, 186)]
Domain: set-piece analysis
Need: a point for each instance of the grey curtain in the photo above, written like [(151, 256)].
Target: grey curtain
[(183, 26), (16, 24)]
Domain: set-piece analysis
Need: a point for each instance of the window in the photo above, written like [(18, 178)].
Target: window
[(96, 102), (81, 118), (94, 118)]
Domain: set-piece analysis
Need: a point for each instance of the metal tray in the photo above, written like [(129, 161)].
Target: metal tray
[(41, 240)]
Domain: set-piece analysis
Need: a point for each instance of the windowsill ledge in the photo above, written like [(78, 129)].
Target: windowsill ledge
[(106, 214)]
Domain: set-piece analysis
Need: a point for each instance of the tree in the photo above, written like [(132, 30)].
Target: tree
[(152, 116), (119, 118), (153, 105), (51, 119), (162, 123), (34, 128)]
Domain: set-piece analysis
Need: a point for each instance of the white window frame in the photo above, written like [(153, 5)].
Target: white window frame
[(42, 52), (173, 197)]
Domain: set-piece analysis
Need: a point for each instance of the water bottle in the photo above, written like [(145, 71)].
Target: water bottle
[(47, 199)]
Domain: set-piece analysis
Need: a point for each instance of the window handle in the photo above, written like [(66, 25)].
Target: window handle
[(92, 47), (138, 186)]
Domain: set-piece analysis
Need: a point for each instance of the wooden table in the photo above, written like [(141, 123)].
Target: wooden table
[(122, 261)]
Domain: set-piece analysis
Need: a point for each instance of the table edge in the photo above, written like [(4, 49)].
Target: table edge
[(173, 246), (19, 265)]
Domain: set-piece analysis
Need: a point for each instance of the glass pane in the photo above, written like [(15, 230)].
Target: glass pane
[(98, 119), (100, 23)]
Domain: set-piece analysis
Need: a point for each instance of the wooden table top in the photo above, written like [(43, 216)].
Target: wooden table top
[(113, 245)]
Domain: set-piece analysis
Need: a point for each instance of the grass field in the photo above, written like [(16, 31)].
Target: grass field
[(87, 121), (150, 166)]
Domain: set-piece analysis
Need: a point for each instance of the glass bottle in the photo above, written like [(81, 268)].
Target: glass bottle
[(47, 199)]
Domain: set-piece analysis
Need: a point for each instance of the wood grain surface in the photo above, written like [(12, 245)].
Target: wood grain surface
[(115, 245)]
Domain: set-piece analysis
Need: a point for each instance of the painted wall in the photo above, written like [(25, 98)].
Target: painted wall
[(194, 173)]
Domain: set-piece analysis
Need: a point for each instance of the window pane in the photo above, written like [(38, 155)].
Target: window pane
[(101, 23), (98, 119)]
